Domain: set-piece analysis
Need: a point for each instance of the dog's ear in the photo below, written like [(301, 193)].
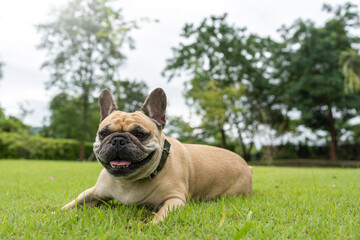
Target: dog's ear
[(107, 104), (155, 106)]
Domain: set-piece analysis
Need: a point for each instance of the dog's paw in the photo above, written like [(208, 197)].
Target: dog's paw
[(66, 207)]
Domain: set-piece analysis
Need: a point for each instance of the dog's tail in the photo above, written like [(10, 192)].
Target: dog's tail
[(251, 170)]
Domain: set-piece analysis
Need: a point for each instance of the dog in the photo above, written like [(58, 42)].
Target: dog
[(145, 167)]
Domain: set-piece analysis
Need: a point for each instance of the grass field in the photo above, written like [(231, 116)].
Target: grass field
[(287, 203)]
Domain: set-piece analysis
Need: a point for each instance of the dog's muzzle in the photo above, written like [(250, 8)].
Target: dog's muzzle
[(121, 156)]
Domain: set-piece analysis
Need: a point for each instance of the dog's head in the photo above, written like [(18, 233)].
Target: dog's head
[(129, 145)]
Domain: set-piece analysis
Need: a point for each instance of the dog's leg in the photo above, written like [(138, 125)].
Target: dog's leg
[(168, 205), (88, 196)]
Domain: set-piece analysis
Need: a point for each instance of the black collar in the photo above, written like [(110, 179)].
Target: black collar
[(164, 156)]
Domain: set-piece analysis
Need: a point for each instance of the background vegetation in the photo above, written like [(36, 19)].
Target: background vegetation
[(242, 86)]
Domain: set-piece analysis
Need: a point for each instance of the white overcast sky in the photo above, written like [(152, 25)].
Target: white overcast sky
[(23, 81)]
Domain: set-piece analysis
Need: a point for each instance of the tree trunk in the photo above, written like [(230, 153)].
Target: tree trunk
[(269, 154), (87, 82), (332, 130), (242, 144), (223, 137), (247, 155), (82, 151), (246, 152), (84, 126)]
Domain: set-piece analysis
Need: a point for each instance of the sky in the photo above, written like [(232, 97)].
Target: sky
[(23, 81)]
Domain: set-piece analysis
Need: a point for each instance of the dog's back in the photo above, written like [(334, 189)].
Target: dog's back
[(216, 172)]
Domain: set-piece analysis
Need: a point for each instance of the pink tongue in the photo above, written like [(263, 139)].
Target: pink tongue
[(120, 163)]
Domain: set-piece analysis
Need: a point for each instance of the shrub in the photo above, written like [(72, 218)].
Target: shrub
[(16, 145), (290, 151)]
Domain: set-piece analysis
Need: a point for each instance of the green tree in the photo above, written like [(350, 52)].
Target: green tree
[(350, 62), (65, 118), (227, 84), (129, 95), (12, 124), (349, 59), (178, 128), (309, 73), (83, 45)]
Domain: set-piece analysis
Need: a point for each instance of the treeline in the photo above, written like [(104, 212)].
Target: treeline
[(302, 151), (241, 83), (244, 87)]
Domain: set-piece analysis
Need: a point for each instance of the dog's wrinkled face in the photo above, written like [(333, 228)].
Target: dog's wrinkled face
[(128, 145)]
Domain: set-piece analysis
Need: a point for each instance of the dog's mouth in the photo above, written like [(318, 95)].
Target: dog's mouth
[(121, 167)]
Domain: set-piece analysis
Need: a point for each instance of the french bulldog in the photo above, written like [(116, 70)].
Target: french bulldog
[(145, 167)]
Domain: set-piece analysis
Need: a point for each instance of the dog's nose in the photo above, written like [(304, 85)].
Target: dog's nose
[(119, 141)]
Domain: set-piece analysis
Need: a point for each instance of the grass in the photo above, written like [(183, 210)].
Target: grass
[(287, 203)]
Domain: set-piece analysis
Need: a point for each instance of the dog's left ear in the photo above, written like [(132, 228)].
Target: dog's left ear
[(107, 104), (155, 106)]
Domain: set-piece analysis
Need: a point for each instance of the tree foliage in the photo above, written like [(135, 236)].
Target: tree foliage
[(65, 118), (178, 128), (227, 83), (350, 62), (83, 45), (309, 72), (129, 95), (12, 124)]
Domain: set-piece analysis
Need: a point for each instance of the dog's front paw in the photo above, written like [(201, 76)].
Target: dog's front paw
[(68, 206), (158, 218)]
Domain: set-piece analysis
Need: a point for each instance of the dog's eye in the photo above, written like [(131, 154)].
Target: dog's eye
[(103, 134), (140, 135)]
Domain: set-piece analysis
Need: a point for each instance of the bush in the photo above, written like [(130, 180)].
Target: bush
[(16, 145), (290, 151)]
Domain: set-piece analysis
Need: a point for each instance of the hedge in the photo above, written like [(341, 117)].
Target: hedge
[(344, 152), (26, 146)]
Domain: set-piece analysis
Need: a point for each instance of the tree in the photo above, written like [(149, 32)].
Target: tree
[(310, 77), (178, 128), (129, 95), (83, 43), (350, 58), (350, 62), (227, 84), (65, 118), (11, 124)]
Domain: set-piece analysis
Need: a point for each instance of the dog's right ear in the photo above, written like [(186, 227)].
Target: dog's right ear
[(155, 107), (107, 104)]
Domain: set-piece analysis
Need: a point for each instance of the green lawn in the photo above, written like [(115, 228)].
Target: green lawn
[(287, 203)]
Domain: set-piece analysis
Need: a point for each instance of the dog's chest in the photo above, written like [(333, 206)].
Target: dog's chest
[(138, 194)]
